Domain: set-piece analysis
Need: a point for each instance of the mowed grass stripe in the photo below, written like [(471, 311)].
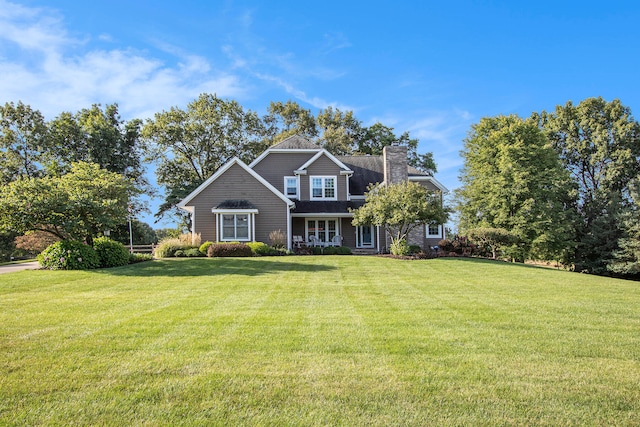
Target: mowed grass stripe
[(319, 340)]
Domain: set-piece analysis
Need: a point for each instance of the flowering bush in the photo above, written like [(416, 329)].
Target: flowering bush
[(69, 255)]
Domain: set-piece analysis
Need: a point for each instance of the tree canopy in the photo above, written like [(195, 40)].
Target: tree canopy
[(22, 142), (598, 142), (512, 179), (78, 205), (189, 145), (400, 208)]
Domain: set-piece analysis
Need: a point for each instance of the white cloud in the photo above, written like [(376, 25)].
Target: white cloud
[(45, 68)]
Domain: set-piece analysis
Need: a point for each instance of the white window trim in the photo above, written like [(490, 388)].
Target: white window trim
[(324, 178), (433, 236), (337, 230), (297, 195), (251, 213)]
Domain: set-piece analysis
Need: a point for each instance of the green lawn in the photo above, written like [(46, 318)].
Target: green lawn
[(319, 341)]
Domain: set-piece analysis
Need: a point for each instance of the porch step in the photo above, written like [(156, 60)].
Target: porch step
[(364, 251)]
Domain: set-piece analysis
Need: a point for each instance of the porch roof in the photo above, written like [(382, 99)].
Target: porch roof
[(235, 204), (334, 208)]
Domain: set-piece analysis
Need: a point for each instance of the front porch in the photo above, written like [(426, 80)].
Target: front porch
[(325, 231)]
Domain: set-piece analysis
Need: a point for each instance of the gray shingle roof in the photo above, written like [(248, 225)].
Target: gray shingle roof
[(326, 206), (369, 170), (236, 204), (296, 142)]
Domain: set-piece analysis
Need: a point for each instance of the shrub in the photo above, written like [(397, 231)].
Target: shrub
[(205, 246), (330, 250), (414, 249), (136, 258), (229, 250), (189, 239), (459, 245), (399, 248), (192, 253), (278, 239), (344, 250), (260, 248), (69, 255), (110, 253), (179, 253), (168, 247)]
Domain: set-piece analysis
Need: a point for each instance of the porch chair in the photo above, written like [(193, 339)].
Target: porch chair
[(314, 241), (298, 242), (336, 240)]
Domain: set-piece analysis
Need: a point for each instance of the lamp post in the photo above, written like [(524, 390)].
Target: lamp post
[(130, 230)]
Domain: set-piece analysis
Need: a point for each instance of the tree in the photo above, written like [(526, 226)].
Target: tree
[(143, 233), (189, 146), (376, 137), (340, 131), (78, 205), (491, 238), (98, 136), (400, 208), (288, 119), (512, 179), (22, 136), (35, 241), (599, 144)]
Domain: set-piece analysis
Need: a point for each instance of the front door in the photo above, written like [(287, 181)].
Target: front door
[(364, 236)]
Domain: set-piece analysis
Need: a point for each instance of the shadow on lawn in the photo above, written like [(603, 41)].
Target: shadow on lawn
[(213, 267)]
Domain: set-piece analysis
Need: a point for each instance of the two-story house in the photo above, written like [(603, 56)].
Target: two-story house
[(303, 190)]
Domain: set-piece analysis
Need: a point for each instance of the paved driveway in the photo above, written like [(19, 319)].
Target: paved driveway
[(10, 268)]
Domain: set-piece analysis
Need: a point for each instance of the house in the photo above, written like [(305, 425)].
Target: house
[(306, 192)]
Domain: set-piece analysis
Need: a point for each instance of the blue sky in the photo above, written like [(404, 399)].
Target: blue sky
[(432, 68)]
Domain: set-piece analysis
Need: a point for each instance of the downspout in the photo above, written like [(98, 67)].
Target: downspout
[(289, 226)]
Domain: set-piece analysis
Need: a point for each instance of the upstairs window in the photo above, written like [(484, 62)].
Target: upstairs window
[(291, 187), (323, 188)]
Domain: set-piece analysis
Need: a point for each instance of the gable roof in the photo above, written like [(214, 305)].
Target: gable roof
[(235, 161), (334, 159)]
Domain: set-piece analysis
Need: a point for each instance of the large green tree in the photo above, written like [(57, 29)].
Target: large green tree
[(400, 208), (340, 132), (100, 136), (512, 179), (78, 205), (599, 144), (189, 145), (22, 142), (287, 119)]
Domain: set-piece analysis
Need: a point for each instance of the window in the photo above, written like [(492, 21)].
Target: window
[(434, 230), (291, 187), (235, 227), (323, 229), (323, 188)]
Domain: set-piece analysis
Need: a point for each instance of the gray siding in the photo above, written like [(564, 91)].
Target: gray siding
[(323, 166), (274, 167), (236, 183)]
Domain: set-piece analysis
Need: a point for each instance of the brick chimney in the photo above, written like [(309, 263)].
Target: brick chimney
[(395, 164)]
